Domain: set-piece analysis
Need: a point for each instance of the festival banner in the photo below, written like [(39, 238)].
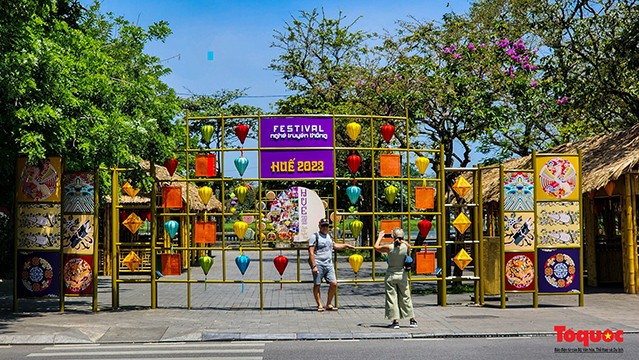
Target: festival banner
[(297, 147)]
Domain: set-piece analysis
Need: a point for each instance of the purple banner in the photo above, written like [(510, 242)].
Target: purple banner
[(296, 132), (289, 164)]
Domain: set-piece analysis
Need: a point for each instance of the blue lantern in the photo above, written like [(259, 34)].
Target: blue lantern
[(241, 164), (353, 192), (171, 227), (242, 263)]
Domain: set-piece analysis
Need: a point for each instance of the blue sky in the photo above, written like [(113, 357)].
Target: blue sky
[(240, 33)]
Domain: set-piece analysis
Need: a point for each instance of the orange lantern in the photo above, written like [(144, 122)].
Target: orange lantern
[(389, 165), (204, 232), (205, 165), (172, 197), (424, 197)]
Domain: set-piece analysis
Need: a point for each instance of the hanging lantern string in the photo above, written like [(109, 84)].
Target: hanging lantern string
[(242, 152)]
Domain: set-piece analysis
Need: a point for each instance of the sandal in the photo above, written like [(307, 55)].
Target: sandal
[(320, 309), (331, 308)]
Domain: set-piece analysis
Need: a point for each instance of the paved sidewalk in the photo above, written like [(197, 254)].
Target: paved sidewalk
[(223, 312)]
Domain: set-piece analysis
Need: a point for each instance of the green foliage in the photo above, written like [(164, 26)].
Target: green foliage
[(76, 83)]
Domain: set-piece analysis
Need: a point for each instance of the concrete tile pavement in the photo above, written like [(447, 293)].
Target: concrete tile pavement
[(223, 312)]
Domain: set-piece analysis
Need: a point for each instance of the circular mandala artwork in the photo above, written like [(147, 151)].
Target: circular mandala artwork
[(560, 270), (37, 274), (39, 182), (77, 275), (558, 178), (520, 271)]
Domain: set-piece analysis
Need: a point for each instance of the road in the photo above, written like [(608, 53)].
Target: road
[(521, 348)]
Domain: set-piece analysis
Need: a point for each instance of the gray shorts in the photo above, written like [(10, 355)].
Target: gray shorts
[(324, 272)]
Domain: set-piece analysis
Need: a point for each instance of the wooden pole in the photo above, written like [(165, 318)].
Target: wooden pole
[(590, 238), (627, 240)]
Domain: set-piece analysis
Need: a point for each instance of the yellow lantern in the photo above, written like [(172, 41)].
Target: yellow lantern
[(205, 193), (240, 193), (356, 261), (390, 192), (356, 227), (240, 228), (422, 163), (353, 129)]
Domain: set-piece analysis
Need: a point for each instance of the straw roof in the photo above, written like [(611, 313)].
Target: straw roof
[(604, 158), (162, 174)]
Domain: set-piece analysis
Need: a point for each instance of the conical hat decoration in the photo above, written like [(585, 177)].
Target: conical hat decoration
[(133, 223)]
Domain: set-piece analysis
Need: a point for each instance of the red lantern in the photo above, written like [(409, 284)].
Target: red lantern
[(241, 131), (424, 227), (280, 264), (123, 215), (171, 165), (353, 162), (388, 131)]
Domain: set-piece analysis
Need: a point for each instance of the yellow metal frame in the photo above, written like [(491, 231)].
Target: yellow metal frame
[(222, 181)]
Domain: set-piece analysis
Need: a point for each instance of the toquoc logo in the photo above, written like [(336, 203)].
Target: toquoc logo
[(588, 336)]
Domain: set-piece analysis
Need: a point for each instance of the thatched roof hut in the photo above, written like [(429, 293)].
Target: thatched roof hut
[(162, 175), (604, 159)]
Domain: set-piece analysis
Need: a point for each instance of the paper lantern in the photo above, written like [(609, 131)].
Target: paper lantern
[(205, 193), (424, 262), (171, 228), (356, 227), (462, 259), (239, 227), (132, 260), (240, 193), (461, 186), (205, 165), (172, 197), (129, 190), (387, 131), (390, 165), (133, 223), (205, 263), (249, 234), (207, 133), (356, 261), (424, 197), (353, 162), (353, 193), (461, 223), (353, 129), (280, 263), (422, 163), (241, 163), (242, 263), (610, 188), (424, 227), (391, 192), (241, 131), (205, 232), (170, 165)]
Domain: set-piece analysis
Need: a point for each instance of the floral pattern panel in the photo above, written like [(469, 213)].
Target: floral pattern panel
[(559, 270), (558, 178), (558, 224), (39, 274)]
